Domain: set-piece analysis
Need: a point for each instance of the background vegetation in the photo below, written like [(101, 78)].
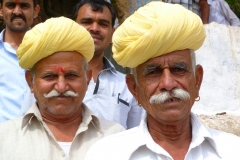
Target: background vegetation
[(235, 6)]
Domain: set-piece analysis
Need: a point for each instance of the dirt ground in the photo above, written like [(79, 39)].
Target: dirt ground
[(222, 121)]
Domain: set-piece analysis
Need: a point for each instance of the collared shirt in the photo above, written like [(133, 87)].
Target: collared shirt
[(15, 96), (221, 13), (137, 144), (109, 98), (29, 137), (191, 5)]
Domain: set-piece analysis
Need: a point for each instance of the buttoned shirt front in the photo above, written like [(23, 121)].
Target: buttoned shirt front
[(109, 98), (30, 138), (137, 144), (15, 96)]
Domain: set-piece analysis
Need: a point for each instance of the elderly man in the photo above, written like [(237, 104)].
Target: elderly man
[(59, 125), (158, 42)]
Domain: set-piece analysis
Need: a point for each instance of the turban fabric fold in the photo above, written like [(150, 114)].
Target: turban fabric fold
[(54, 35), (156, 29)]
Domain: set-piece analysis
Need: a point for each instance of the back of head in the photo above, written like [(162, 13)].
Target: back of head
[(54, 35), (156, 29), (97, 5)]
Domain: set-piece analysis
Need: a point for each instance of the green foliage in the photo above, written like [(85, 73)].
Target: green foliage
[(235, 6)]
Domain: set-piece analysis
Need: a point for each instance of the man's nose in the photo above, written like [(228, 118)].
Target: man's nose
[(61, 85), (17, 10), (167, 80), (94, 27)]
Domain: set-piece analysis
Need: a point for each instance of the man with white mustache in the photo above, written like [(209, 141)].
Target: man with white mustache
[(58, 126), (158, 42)]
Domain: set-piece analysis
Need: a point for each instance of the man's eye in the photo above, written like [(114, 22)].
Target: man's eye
[(11, 5), (49, 77), (24, 5), (71, 75), (178, 70)]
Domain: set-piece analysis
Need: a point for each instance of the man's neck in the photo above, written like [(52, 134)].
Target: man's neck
[(64, 129), (96, 65), (175, 137), (13, 38)]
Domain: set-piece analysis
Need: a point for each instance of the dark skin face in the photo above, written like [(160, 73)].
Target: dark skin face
[(18, 14), (99, 24), (62, 71), (164, 73)]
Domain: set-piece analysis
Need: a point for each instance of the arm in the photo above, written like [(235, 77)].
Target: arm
[(205, 10), (229, 14)]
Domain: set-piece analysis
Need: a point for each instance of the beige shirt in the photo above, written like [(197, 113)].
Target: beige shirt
[(29, 138)]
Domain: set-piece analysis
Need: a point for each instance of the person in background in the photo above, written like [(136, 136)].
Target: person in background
[(221, 13), (15, 96), (200, 7), (158, 42), (59, 123), (107, 95)]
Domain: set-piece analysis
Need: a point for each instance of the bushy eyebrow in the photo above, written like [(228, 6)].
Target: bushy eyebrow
[(150, 68), (180, 65), (15, 3)]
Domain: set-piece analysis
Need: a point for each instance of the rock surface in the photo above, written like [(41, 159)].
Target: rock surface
[(222, 121)]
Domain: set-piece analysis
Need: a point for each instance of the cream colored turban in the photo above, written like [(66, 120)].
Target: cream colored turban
[(156, 29), (54, 35)]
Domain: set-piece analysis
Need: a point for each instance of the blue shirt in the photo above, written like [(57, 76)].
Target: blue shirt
[(15, 96)]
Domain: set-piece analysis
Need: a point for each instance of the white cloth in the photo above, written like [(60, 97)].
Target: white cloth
[(137, 144), (29, 137), (221, 13), (109, 98)]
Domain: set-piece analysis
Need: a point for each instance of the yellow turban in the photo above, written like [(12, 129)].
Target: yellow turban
[(154, 30), (54, 35)]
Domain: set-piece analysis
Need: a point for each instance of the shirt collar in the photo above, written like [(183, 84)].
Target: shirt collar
[(108, 65), (1, 35), (87, 118), (199, 134)]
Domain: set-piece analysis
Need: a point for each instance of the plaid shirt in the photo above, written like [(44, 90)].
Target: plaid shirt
[(191, 5)]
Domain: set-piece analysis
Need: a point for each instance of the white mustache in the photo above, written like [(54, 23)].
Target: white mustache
[(55, 93), (162, 97)]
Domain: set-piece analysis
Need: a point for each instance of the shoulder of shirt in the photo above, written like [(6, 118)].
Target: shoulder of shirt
[(109, 147), (111, 126), (120, 138)]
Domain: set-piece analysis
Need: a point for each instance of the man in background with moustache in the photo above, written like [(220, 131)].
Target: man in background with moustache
[(59, 125), (15, 97)]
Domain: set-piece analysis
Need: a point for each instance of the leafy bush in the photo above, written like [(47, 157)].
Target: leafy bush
[(235, 6)]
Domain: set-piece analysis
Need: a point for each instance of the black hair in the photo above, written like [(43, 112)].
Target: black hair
[(97, 5), (35, 2)]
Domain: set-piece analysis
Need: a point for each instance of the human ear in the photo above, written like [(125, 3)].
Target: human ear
[(198, 77), (132, 85), (36, 11), (89, 75), (29, 79)]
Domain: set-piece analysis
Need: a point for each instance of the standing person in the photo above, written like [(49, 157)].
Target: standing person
[(107, 95), (200, 7), (221, 13), (15, 97), (59, 126), (158, 42)]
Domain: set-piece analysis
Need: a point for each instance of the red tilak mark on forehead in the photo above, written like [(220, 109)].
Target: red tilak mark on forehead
[(17, 2), (59, 69)]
